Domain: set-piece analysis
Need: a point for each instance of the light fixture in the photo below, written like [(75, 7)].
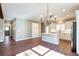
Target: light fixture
[(64, 10), (49, 18)]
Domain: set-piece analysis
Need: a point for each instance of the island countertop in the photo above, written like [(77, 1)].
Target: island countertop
[(51, 38), (54, 33)]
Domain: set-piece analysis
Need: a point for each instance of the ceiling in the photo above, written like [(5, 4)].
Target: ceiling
[(32, 11)]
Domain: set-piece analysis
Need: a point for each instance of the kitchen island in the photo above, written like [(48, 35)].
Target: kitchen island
[(51, 38)]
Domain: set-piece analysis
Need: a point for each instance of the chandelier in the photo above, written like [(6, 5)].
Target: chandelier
[(49, 18)]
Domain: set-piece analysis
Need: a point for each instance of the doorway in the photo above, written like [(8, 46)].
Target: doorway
[(7, 30), (6, 34)]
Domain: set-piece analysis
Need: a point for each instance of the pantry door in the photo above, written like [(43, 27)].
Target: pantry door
[(35, 29)]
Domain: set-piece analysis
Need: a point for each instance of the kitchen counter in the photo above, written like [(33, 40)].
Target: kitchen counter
[(50, 33), (51, 38)]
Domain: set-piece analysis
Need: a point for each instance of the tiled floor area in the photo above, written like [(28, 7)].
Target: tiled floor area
[(40, 51)]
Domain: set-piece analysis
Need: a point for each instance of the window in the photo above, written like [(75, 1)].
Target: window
[(7, 28), (47, 29), (60, 27), (52, 27)]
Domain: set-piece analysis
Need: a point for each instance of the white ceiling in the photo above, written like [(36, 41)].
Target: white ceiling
[(32, 11)]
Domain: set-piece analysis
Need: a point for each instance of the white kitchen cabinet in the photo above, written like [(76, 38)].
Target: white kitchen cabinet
[(51, 38)]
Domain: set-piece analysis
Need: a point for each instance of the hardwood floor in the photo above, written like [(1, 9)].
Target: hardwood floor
[(64, 47), (13, 48)]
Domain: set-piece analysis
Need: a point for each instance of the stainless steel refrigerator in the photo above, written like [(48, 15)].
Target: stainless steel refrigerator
[(73, 35)]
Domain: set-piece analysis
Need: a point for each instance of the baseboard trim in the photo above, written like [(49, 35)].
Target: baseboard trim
[(27, 38)]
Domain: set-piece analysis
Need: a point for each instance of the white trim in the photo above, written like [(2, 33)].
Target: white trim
[(2, 40), (3, 31), (26, 38)]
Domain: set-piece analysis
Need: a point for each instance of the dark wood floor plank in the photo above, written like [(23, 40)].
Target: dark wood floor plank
[(13, 48)]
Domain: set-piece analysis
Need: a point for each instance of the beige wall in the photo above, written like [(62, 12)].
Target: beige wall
[(23, 29), (1, 31), (42, 28), (13, 29)]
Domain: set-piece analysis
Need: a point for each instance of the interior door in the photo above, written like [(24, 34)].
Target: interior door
[(35, 29)]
